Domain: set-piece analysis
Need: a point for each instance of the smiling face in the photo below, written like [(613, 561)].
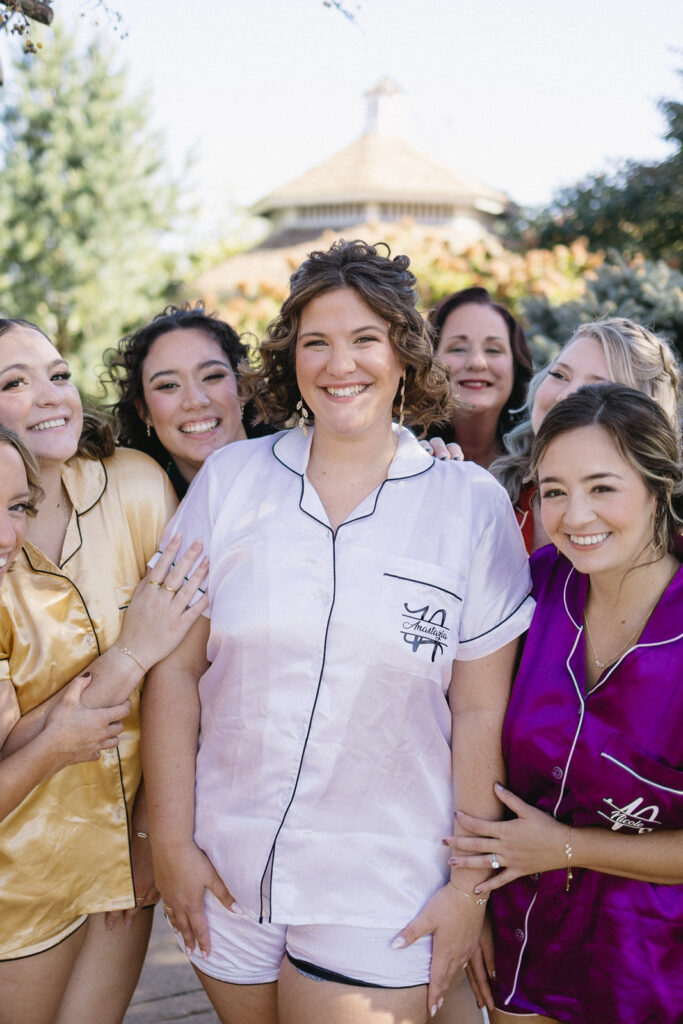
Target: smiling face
[(14, 501), (346, 367), (37, 399), (595, 506), (475, 344), (582, 362), (190, 393)]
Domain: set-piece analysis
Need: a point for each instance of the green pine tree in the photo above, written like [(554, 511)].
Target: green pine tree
[(86, 209)]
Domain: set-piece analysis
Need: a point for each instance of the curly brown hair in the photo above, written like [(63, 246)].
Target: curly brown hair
[(387, 286)]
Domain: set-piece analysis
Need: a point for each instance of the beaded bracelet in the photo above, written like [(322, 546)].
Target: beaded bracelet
[(568, 851)]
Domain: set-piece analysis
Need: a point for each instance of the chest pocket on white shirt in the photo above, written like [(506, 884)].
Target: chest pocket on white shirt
[(421, 610)]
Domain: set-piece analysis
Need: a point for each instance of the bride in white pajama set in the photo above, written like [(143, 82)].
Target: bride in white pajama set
[(365, 600)]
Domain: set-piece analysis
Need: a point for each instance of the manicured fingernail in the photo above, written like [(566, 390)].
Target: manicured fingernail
[(443, 458), (493, 973), (477, 891), (499, 786), (433, 1011), (399, 942), (452, 860), (236, 908), (203, 954), (188, 950), (440, 1003), (444, 842)]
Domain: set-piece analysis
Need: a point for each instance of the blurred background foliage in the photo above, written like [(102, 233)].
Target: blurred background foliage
[(94, 228)]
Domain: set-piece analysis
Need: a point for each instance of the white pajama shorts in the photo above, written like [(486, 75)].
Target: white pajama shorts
[(244, 952)]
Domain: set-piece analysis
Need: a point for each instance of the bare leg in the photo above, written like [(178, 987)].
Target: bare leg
[(32, 988), (500, 1017), (327, 1002), (106, 972), (460, 1005), (239, 1004)]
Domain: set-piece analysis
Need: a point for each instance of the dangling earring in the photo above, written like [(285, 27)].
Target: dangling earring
[(403, 402), (149, 428), (303, 417)]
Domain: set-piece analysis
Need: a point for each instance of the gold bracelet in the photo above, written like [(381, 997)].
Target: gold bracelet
[(568, 851), (129, 653), (480, 900)]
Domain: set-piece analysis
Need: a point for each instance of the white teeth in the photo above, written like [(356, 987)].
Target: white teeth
[(199, 428), (355, 389), (587, 541), (48, 424)]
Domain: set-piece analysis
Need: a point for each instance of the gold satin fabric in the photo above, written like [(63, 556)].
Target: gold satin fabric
[(64, 851)]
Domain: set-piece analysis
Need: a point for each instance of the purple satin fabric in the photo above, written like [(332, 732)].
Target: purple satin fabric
[(610, 950)]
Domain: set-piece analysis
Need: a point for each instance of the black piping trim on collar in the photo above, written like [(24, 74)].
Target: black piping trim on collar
[(86, 510), (60, 576), (347, 522), (498, 624)]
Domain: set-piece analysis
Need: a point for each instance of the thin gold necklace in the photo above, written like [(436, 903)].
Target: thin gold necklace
[(603, 664)]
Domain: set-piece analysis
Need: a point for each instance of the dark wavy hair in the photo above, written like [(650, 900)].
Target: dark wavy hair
[(388, 287), (644, 435), (97, 437), (35, 491), (123, 369), (519, 346)]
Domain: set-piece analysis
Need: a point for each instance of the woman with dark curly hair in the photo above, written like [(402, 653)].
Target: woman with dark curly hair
[(487, 354), (356, 674), (176, 380)]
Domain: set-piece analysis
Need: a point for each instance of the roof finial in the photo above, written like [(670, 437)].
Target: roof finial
[(386, 109)]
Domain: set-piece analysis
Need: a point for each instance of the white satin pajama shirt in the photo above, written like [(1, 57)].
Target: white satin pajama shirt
[(323, 782)]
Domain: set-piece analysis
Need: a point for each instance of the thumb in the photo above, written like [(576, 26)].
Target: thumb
[(221, 891), (412, 932)]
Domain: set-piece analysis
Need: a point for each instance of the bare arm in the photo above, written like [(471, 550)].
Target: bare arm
[(534, 841), (157, 619), (71, 733), (170, 730), (478, 696)]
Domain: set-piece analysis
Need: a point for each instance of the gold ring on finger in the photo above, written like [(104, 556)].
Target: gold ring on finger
[(171, 590), (154, 583)]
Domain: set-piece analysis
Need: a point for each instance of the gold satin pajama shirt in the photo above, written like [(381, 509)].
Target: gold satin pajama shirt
[(64, 851)]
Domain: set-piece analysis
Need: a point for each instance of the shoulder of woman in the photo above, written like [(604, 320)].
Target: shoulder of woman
[(134, 474), (547, 564)]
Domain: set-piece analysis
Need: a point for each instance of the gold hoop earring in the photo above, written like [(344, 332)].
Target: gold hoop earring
[(401, 410), (303, 417)]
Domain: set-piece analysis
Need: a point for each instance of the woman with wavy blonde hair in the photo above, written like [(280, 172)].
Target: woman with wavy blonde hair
[(615, 349)]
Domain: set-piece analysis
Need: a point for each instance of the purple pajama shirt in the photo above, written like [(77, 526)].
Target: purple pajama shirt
[(611, 950)]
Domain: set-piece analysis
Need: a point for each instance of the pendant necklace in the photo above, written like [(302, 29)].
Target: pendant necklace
[(603, 664)]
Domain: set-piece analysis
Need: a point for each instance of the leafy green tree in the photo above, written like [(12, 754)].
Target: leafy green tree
[(635, 210), (86, 210), (647, 292)]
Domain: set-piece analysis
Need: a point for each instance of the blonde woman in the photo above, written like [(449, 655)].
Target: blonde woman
[(616, 350)]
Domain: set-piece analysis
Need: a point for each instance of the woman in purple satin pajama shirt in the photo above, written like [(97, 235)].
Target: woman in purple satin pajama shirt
[(593, 738)]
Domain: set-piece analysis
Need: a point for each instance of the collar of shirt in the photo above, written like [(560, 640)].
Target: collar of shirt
[(292, 450), (664, 624)]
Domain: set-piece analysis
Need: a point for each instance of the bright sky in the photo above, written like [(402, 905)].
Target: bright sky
[(526, 95)]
